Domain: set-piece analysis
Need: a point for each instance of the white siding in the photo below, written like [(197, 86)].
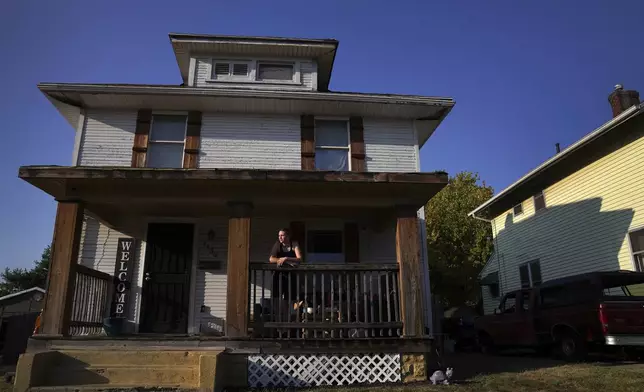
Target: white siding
[(250, 142), (584, 227), (390, 145), (211, 285), (308, 78), (107, 139), (98, 251)]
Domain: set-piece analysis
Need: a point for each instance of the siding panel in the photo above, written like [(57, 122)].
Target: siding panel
[(585, 225), (98, 251), (390, 145), (250, 142), (211, 285), (108, 138)]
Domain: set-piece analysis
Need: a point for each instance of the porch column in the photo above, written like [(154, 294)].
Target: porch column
[(61, 280), (238, 259), (408, 257)]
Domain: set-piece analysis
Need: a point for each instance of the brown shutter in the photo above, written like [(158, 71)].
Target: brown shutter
[(351, 242), (141, 135), (307, 127), (298, 233), (193, 136), (357, 144)]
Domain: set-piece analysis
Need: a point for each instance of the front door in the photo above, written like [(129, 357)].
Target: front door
[(166, 278)]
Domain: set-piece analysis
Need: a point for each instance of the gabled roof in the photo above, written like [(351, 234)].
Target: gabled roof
[(569, 160), (322, 50), (12, 295)]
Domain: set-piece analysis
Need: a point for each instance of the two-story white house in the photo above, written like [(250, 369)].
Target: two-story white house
[(173, 201)]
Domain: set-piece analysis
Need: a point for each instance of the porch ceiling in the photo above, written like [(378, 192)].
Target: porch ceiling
[(199, 192)]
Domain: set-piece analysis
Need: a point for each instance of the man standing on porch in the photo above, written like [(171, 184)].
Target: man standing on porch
[(285, 253)]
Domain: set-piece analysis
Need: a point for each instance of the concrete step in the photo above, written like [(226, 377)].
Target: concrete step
[(125, 357), (125, 375), (108, 388)]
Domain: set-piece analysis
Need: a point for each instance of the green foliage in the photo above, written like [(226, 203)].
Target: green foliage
[(18, 279), (458, 245)]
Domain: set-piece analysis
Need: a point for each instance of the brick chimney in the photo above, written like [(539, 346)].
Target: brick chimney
[(621, 99)]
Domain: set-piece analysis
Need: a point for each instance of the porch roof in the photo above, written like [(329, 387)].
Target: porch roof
[(197, 192)]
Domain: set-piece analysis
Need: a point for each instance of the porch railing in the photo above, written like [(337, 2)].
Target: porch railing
[(324, 301), (91, 298)]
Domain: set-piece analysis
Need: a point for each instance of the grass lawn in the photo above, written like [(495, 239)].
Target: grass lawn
[(565, 378)]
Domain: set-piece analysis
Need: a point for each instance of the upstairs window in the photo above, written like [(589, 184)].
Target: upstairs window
[(637, 246), (530, 274), (332, 145), (230, 70), (539, 202), (167, 138), (518, 209), (275, 71)]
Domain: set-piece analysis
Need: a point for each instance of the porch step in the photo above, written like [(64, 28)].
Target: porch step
[(125, 375), (108, 388), (67, 358)]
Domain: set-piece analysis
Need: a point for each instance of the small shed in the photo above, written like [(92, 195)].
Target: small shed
[(18, 313)]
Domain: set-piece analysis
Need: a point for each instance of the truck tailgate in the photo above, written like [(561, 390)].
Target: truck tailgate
[(623, 317)]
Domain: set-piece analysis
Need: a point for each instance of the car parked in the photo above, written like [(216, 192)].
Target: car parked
[(572, 315)]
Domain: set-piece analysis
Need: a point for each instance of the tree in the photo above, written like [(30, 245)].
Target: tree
[(458, 245), (18, 279)]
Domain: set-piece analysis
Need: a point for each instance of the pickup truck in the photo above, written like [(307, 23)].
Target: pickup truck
[(571, 315)]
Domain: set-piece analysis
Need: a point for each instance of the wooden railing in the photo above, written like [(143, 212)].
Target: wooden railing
[(324, 301), (90, 301)]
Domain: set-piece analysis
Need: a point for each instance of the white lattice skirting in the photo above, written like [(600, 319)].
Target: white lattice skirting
[(314, 370)]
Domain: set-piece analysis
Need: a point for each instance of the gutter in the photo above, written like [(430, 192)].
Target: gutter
[(623, 117), (235, 93)]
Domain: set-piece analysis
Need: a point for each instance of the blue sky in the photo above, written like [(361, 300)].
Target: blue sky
[(524, 74)]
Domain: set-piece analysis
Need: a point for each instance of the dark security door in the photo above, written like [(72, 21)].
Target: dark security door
[(166, 278)]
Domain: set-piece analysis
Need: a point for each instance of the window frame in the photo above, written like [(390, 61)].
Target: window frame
[(253, 63), (269, 62), (347, 148), (158, 142), (530, 278), (325, 226), (534, 201), (231, 64), (514, 214), (634, 254)]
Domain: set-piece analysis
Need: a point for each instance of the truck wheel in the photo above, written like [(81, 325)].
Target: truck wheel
[(487, 344), (571, 347)]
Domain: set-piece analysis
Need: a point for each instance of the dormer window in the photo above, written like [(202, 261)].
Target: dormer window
[(231, 70), (274, 71), (251, 71)]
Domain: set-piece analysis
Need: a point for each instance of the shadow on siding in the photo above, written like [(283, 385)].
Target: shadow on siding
[(567, 239)]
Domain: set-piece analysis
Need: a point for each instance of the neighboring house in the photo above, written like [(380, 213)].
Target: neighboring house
[(580, 211), (18, 313), (179, 192)]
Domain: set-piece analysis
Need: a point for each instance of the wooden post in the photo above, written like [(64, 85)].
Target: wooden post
[(238, 264), (408, 256), (64, 255)]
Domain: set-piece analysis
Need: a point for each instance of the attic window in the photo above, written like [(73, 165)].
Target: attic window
[(275, 71), (227, 70)]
